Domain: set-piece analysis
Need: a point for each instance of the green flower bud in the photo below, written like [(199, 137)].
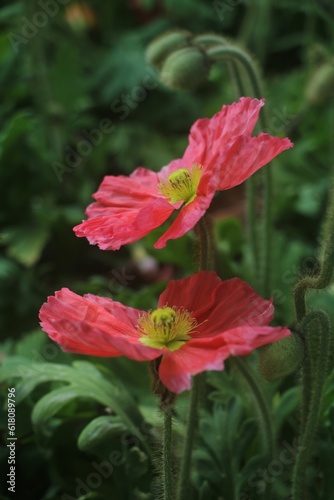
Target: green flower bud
[(281, 358), (321, 85), (186, 69), (161, 47)]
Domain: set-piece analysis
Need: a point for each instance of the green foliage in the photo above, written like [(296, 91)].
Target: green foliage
[(60, 85)]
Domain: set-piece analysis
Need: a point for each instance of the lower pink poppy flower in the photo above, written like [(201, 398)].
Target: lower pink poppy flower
[(199, 322), (221, 154)]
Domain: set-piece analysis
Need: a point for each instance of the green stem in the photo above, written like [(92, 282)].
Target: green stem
[(252, 233), (230, 52), (208, 39), (167, 456), (261, 404), (235, 71), (263, 262), (206, 247), (206, 260), (324, 278), (42, 91), (192, 423), (317, 346)]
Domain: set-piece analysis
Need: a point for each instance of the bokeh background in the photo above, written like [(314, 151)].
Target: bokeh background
[(76, 71)]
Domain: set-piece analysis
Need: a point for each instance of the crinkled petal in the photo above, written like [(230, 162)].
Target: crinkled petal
[(119, 216), (210, 136), (236, 304), (128, 315), (197, 294), (85, 326), (203, 354), (247, 155), (122, 191), (176, 368), (217, 305), (244, 339), (240, 341)]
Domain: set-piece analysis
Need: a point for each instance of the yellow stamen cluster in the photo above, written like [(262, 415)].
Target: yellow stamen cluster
[(181, 185), (166, 327)]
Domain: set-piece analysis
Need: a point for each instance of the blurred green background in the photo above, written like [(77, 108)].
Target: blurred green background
[(76, 71)]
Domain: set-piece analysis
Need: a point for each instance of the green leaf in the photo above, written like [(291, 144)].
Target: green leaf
[(284, 405), (99, 430), (51, 404), (25, 244), (21, 123), (84, 381)]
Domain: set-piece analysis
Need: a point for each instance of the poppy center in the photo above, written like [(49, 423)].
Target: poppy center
[(181, 185), (166, 327)]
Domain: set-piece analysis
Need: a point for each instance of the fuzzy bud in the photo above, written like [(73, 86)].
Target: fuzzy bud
[(281, 358), (161, 47), (321, 85), (186, 69)]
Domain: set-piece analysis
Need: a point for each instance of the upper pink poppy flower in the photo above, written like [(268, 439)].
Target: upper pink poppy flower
[(221, 154), (199, 322)]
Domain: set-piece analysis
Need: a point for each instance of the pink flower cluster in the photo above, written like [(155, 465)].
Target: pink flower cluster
[(200, 320)]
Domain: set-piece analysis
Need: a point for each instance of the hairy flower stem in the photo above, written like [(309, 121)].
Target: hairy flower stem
[(324, 277), (206, 246), (261, 403), (167, 456), (262, 262), (206, 261), (166, 403), (183, 492), (237, 76), (317, 340)]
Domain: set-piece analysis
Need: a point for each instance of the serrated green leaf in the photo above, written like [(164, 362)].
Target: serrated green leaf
[(98, 430), (83, 380), (52, 403), (250, 469)]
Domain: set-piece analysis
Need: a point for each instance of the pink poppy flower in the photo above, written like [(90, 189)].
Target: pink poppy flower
[(199, 322), (221, 154)]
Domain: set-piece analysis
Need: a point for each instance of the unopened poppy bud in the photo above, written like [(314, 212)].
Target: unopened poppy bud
[(186, 69), (321, 84), (281, 358), (161, 47)]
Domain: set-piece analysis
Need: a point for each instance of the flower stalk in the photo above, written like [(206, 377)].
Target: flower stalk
[(324, 277), (167, 455), (260, 400), (205, 260), (236, 65), (206, 244), (261, 263), (317, 340), (192, 424)]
